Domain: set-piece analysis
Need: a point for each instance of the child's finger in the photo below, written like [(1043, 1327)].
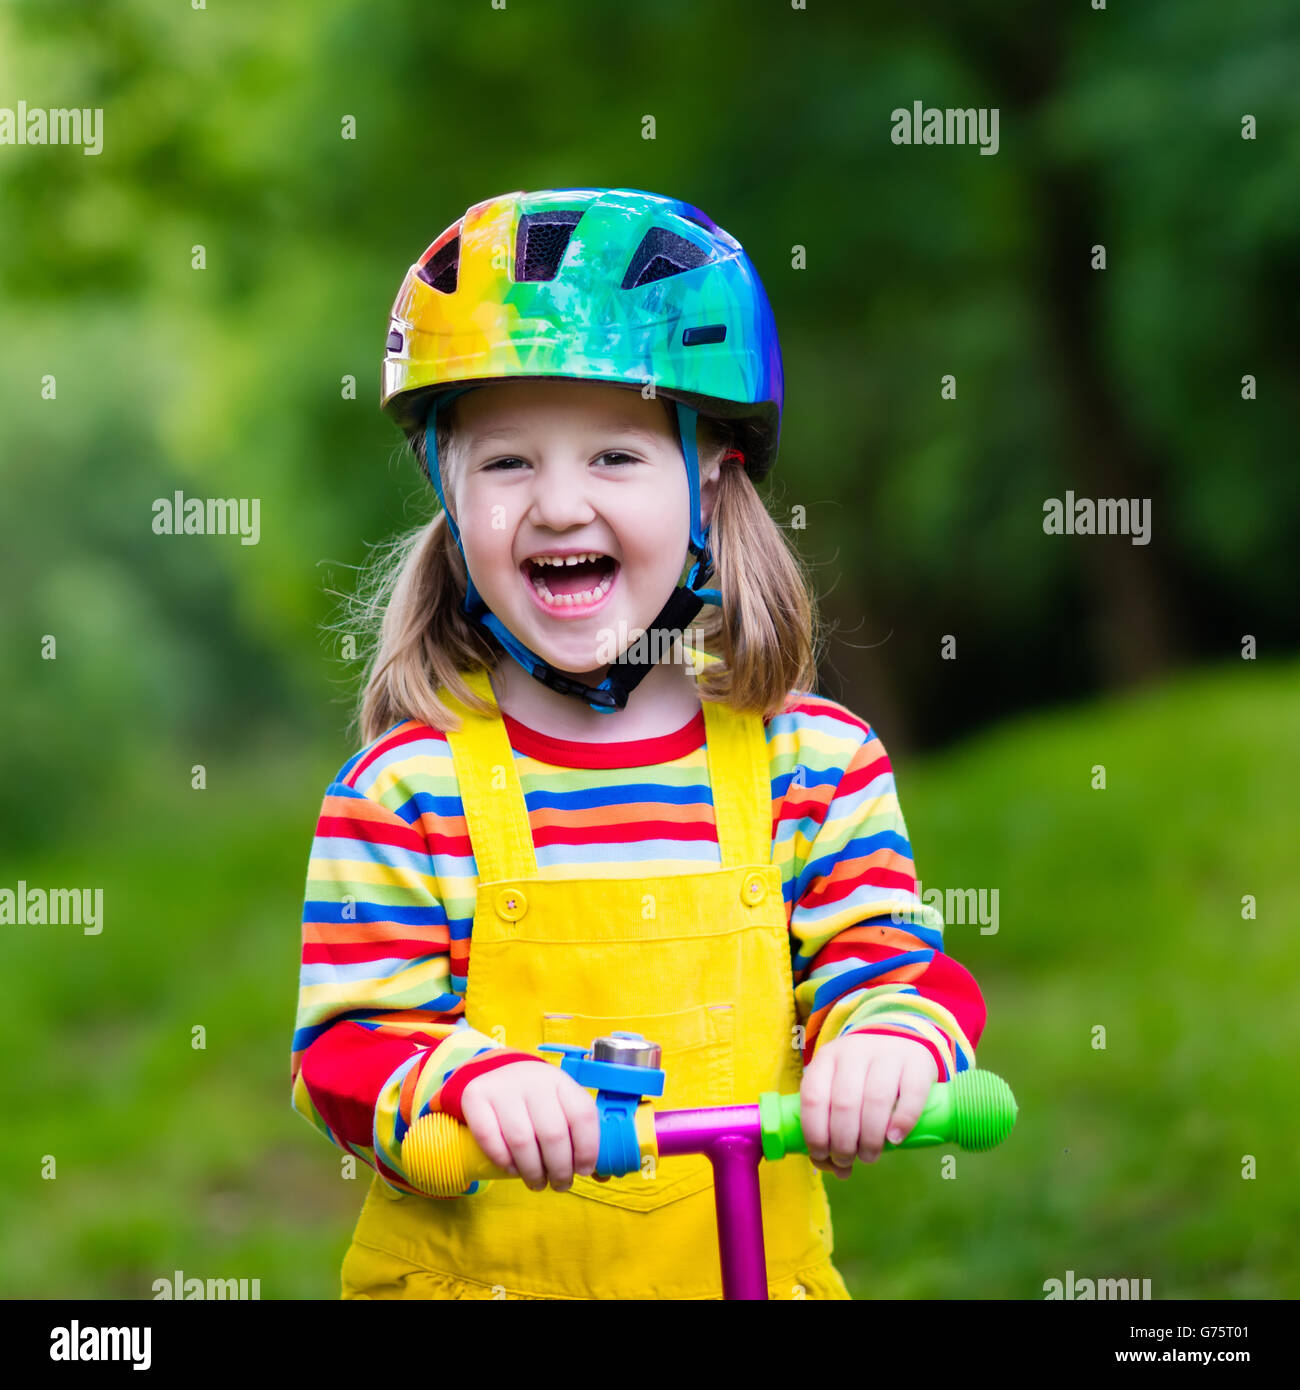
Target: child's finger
[(517, 1129), (551, 1125), (584, 1126), (852, 1071), (878, 1098), (486, 1129), (815, 1105), (913, 1092)]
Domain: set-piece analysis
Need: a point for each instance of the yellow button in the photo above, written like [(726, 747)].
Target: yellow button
[(753, 890), (511, 904)]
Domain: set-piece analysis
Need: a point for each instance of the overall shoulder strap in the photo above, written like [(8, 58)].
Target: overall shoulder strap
[(496, 815), (740, 778)]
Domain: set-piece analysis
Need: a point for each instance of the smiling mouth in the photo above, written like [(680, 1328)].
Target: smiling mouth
[(567, 585)]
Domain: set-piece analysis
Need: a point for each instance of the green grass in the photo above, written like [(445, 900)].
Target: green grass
[(1118, 909), (1121, 909)]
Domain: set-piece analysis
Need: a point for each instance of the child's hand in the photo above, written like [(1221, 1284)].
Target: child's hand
[(848, 1096), (534, 1119)]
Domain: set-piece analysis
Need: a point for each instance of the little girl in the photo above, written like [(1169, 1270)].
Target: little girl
[(568, 819)]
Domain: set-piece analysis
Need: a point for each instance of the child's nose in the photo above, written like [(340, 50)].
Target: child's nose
[(560, 502)]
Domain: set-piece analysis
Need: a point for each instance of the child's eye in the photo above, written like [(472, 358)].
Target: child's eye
[(505, 463)]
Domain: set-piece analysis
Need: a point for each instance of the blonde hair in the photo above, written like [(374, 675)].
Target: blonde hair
[(418, 641)]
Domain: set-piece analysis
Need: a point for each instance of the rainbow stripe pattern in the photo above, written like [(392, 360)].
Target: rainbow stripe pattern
[(387, 947)]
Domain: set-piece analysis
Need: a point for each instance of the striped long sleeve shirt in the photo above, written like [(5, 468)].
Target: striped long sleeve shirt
[(380, 1035)]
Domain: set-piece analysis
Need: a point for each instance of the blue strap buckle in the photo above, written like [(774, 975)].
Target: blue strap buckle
[(619, 1090)]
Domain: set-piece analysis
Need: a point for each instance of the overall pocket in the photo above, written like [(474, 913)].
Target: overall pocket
[(698, 1057)]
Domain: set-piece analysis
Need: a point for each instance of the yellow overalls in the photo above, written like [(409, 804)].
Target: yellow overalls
[(697, 962)]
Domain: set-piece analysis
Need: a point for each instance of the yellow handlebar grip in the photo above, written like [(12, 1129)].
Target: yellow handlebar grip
[(644, 1120), (442, 1157)]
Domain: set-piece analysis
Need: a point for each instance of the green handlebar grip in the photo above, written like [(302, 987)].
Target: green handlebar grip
[(975, 1110)]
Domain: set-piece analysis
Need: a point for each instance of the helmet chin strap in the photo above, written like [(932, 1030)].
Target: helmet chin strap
[(628, 670)]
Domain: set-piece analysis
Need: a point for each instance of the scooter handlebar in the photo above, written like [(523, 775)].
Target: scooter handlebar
[(974, 1111)]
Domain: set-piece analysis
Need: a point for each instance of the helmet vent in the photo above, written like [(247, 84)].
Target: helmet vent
[(662, 253), (542, 241), (710, 333), (440, 269)]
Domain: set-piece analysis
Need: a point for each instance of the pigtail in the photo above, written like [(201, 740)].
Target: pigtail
[(767, 632)]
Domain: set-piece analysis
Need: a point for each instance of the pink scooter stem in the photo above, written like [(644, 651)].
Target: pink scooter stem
[(729, 1136)]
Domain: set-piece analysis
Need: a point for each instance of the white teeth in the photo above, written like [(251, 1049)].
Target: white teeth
[(566, 559), (580, 600), (573, 600)]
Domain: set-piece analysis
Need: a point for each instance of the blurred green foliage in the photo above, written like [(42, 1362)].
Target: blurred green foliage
[(223, 129)]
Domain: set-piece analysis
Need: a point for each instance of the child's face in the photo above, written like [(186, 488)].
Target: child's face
[(539, 467)]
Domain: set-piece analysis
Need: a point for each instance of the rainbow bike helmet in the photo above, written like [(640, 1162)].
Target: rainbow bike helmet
[(596, 284)]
